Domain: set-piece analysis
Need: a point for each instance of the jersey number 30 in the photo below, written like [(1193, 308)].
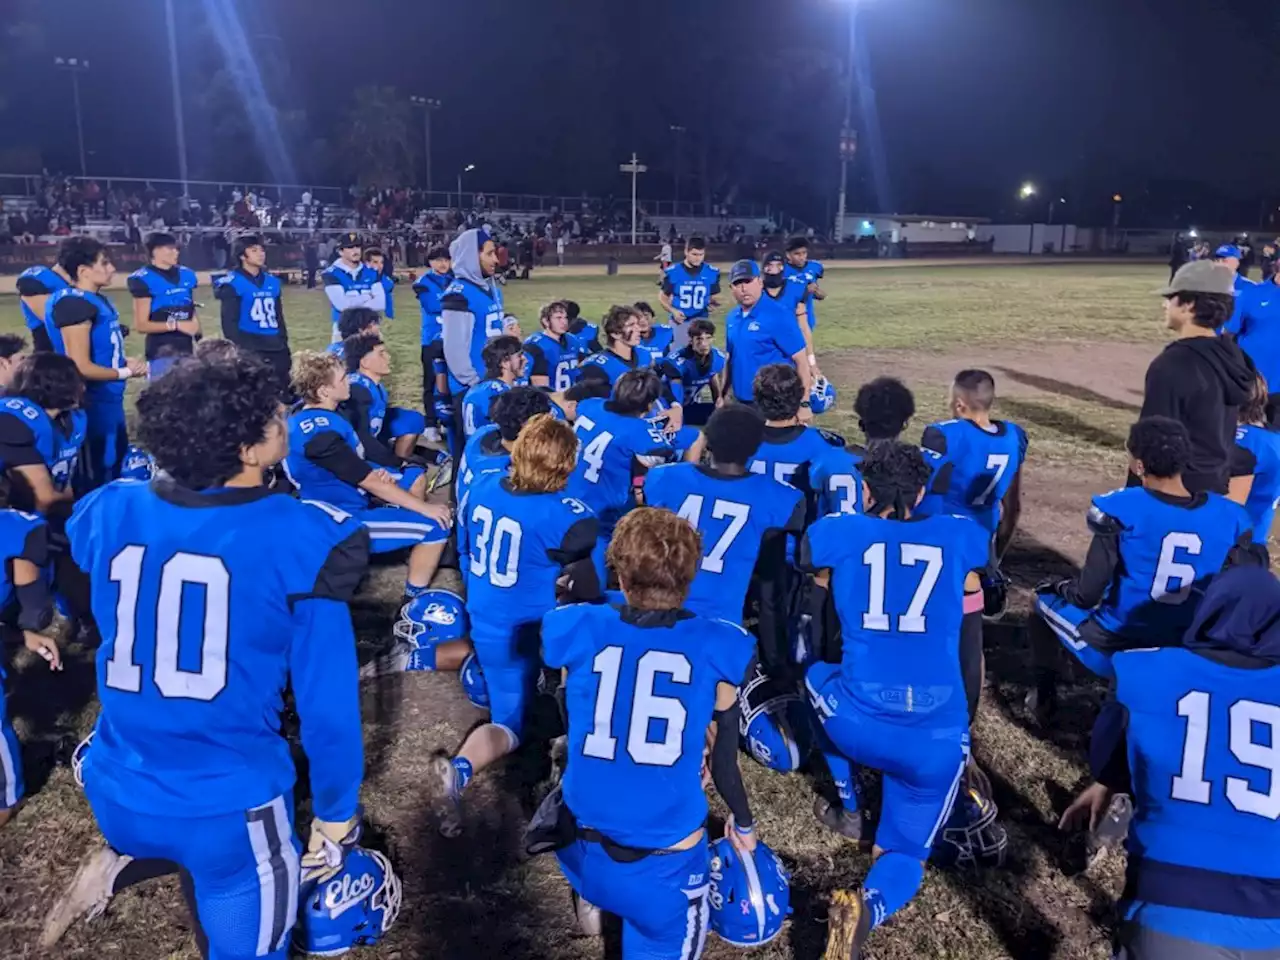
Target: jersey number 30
[(645, 706), (163, 623)]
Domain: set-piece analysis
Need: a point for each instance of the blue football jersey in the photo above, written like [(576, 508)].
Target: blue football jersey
[(202, 602), (898, 587), (379, 401), (258, 298), (22, 536), (429, 289), (1168, 552), (554, 358), (691, 290), (313, 481), (106, 339), (1202, 741), (982, 466), (640, 692), (733, 514), (484, 452), (475, 404), (695, 375), (37, 282), (811, 272), (658, 342), (612, 450), (519, 542), (57, 443), (613, 366), (813, 461), (1264, 444)]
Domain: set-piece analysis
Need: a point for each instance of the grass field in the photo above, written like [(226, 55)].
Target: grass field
[(1067, 345)]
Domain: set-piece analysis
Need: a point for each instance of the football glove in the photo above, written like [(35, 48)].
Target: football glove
[(1054, 585), (327, 847)]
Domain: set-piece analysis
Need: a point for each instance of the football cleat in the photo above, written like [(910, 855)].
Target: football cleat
[(822, 396), (78, 758), (775, 725), (430, 619), (87, 895), (590, 918), (848, 924), (838, 819), (750, 896), (355, 908), (972, 836), (442, 780), (472, 679)]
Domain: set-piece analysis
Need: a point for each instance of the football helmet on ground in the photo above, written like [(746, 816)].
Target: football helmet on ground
[(750, 896)]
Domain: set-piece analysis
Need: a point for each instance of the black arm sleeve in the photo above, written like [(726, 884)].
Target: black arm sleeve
[(280, 325), (342, 571), (31, 287), (971, 660), (1108, 748), (230, 312), (592, 371), (579, 540), (356, 410), (1100, 565), (935, 440), (35, 601), (666, 286), (18, 444), (330, 452), (724, 766), (70, 311)]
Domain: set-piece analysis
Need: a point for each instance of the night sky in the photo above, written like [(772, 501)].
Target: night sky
[(1162, 100)]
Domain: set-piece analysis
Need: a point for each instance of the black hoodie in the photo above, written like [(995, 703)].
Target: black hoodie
[(1201, 382)]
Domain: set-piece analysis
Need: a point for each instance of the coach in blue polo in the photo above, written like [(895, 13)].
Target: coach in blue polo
[(759, 332)]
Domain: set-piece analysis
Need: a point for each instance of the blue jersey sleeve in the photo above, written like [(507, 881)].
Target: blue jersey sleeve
[(729, 651), (559, 628), (325, 677), (821, 547)]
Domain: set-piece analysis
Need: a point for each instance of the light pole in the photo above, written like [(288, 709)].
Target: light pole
[(427, 105), (1026, 192), (467, 169), (635, 168), (177, 95), (848, 138), (679, 131), (75, 66)]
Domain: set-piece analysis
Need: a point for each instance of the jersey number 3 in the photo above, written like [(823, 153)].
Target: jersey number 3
[(171, 680)]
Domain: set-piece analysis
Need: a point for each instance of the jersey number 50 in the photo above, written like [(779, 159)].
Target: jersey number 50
[(163, 624)]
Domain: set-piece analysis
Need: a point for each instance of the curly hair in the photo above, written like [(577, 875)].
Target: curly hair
[(313, 370), (513, 408), (544, 315), (543, 456), (884, 407), (778, 391), (656, 555), (197, 418), (734, 434), (614, 324), (354, 320), (895, 474), (48, 380), (356, 348), (1161, 444), (215, 348), (497, 352)]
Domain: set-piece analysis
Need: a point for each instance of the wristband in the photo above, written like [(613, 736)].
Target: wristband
[(744, 831), (804, 404), (123, 373)]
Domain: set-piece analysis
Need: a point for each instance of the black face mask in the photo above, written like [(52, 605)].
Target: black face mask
[(773, 281)]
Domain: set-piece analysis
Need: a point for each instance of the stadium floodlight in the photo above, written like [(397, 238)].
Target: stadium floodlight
[(1116, 198), (427, 105), (76, 66), (1192, 233), (1028, 191), (467, 169)]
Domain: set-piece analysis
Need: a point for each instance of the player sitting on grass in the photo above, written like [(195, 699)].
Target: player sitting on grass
[(1257, 434), (699, 370), (616, 446), (326, 464), (369, 409), (642, 684), (522, 530), (896, 700), (1192, 734), (504, 366), (1154, 549), (41, 430), (353, 322), (189, 766), (26, 609)]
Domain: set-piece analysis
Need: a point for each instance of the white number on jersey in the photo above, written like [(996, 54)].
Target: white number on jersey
[(692, 296), (910, 555), (1190, 785), (593, 453), (646, 705), (263, 312), (507, 535), (782, 472), (1000, 463), (1170, 569), (846, 491), (179, 570), (737, 514), (468, 418)]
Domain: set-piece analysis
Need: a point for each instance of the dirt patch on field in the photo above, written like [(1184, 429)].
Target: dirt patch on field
[(1109, 374)]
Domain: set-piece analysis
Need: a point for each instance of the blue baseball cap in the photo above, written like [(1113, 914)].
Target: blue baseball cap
[(1228, 250), (743, 270)]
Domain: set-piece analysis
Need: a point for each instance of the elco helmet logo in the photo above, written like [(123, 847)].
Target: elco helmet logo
[(344, 893), (438, 613)]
